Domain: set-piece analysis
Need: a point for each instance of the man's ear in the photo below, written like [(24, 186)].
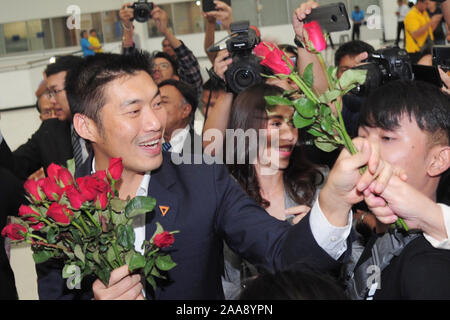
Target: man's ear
[(187, 108), (440, 161), (85, 127)]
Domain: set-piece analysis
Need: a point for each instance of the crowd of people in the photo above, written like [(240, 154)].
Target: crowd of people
[(311, 229)]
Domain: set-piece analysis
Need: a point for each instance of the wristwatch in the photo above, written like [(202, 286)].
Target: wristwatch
[(298, 42)]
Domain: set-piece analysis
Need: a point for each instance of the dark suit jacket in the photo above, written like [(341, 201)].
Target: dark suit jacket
[(208, 207), (50, 143), (11, 197)]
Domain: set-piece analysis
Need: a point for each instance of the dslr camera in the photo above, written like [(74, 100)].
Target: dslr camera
[(142, 10), (245, 70), (382, 66)]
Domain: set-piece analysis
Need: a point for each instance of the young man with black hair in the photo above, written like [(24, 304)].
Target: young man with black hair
[(410, 122), (52, 142), (164, 67), (117, 106)]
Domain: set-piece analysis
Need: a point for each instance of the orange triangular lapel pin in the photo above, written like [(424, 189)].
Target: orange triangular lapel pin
[(164, 209)]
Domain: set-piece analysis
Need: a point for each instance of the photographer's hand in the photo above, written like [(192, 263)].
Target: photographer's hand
[(126, 14), (160, 18), (223, 60), (446, 80)]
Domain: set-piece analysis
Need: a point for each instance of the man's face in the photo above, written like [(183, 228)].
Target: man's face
[(56, 88), (421, 6), (47, 108), (177, 109), (85, 35), (132, 124), (94, 34), (162, 70), (405, 147), (167, 48), (347, 62)]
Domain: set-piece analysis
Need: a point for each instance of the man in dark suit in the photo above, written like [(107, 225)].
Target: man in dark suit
[(53, 140), (11, 197), (121, 114), (180, 101)]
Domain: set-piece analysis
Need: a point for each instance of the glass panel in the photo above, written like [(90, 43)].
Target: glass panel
[(188, 18), (92, 21), (111, 26), (63, 36), (15, 37), (274, 13), (152, 30), (2, 40), (39, 34), (246, 10)]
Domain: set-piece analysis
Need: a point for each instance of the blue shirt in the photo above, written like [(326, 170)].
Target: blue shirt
[(85, 44), (358, 16)]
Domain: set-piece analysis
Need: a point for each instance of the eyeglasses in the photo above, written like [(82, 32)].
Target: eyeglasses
[(52, 93), (162, 66)]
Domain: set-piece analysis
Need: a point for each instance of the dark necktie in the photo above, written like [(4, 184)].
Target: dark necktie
[(166, 146), (77, 151)]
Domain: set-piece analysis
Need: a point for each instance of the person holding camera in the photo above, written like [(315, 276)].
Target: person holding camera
[(188, 66)]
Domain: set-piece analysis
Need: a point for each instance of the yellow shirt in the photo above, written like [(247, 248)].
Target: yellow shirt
[(414, 20), (96, 43)]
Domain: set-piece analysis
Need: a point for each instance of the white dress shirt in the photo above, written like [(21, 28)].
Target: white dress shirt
[(444, 244), (177, 140)]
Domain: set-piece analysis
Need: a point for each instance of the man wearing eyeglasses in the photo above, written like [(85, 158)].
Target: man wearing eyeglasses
[(164, 67), (54, 141)]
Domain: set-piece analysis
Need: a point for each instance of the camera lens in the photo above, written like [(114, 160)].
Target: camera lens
[(244, 78)]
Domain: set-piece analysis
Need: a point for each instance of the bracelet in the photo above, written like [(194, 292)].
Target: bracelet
[(126, 29), (298, 43), (361, 219)]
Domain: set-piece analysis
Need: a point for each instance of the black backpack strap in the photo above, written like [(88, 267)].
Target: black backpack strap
[(362, 282)]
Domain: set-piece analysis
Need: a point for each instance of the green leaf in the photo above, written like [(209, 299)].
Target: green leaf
[(324, 110), (104, 274), (137, 261), (79, 253), (139, 205), (300, 122), (324, 144), (76, 236), (352, 76), (305, 107), (156, 274), (96, 257), (332, 72), (151, 281), (165, 263), (51, 235), (329, 96), (70, 165), (42, 256), (308, 76), (325, 124), (148, 266), (118, 205), (278, 101), (125, 236), (119, 218), (314, 132)]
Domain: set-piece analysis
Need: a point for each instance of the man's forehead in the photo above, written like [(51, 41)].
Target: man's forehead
[(56, 78)]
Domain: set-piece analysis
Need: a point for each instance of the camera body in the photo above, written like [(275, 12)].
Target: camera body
[(245, 70), (142, 10), (385, 65)]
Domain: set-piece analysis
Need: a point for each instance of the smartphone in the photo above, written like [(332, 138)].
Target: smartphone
[(331, 17), (441, 57), (428, 74), (208, 5)]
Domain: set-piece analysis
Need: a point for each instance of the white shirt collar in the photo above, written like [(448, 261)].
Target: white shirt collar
[(177, 140)]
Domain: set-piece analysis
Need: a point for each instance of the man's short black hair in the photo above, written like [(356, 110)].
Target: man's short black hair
[(92, 30), (63, 63), (82, 32), (424, 102), (173, 62), (352, 48), (85, 85), (186, 90)]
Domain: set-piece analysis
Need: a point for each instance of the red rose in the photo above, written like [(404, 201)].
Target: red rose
[(32, 188), (59, 213), (274, 58), (100, 175), (14, 231), (87, 187), (75, 197), (52, 171), (115, 168), (163, 239), (102, 200), (50, 188), (27, 211), (38, 226), (313, 37), (65, 177)]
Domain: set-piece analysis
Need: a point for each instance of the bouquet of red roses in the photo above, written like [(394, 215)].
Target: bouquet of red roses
[(84, 223)]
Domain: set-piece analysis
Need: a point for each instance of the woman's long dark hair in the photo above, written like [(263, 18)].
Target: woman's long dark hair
[(300, 177)]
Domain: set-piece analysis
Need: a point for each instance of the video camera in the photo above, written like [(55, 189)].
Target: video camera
[(245, 70), (382, 66), (142, 10)]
